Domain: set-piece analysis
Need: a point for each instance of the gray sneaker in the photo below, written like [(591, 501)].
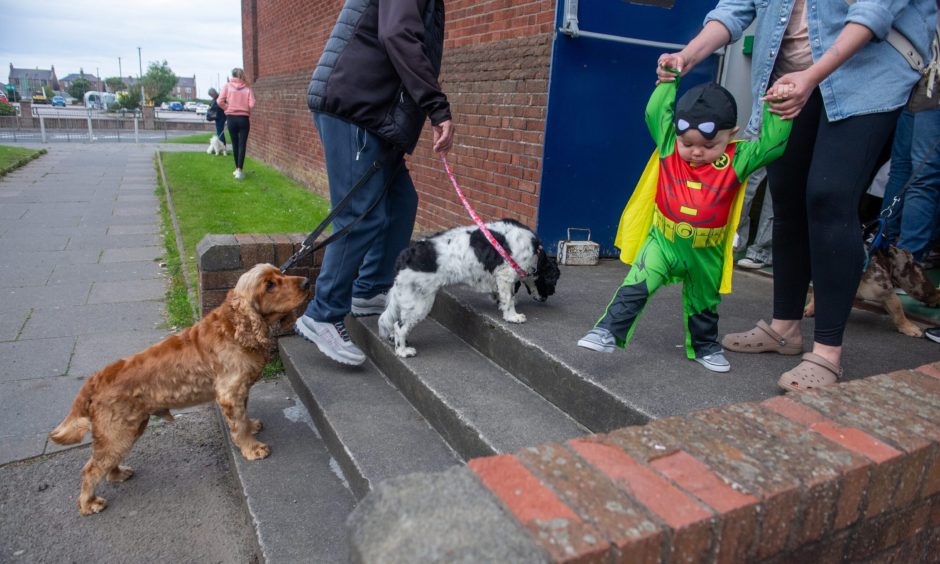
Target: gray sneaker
[(751, 264), (598, 339), (375, 305), (331, 338), (716, 362)]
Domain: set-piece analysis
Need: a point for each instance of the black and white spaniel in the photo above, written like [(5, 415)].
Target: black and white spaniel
[(464, 256)]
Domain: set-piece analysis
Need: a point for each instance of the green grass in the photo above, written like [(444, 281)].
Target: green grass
[(209, 201), (12, 158), (197, 139), (180, 310)]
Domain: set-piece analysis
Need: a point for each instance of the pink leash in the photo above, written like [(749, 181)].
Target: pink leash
[(476, 218)]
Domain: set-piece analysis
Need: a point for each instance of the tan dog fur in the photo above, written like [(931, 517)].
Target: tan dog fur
[(894, 268), (218, 358)]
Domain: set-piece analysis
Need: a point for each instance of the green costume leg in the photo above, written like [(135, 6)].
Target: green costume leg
[(652, 268), (700, 297)]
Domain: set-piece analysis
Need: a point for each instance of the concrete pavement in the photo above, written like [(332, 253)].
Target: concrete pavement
[(80, 280)]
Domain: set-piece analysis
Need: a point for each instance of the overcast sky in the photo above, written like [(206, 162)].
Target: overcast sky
[(201, 38)]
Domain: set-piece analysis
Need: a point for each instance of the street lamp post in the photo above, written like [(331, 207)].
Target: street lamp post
[(140, 78), (120, 72)]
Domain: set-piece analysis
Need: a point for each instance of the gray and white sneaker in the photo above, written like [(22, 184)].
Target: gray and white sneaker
[(375, 305), (751, 264), (598, 339), (716, 362), (331, 338)]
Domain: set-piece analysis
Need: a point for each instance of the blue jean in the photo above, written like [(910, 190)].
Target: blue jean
[(220, 129), (914, 220), (361, 264), (760, 250)]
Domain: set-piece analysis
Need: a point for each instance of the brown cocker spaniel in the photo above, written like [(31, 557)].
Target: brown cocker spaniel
[(218, 358)]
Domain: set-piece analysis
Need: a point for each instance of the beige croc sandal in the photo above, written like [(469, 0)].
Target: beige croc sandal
[(760, 339), (814, 372)]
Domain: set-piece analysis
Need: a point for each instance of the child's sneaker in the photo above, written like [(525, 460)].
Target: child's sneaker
[(716, 362), (598, 339)]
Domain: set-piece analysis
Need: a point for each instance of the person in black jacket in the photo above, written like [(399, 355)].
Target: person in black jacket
[(219, 120), (375, 85)]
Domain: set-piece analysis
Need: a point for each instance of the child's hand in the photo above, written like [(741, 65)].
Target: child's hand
[(669, 67), (791, 91)]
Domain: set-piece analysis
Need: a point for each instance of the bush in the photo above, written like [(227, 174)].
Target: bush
[(7, 109)]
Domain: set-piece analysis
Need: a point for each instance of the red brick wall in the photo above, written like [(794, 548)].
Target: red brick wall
[(495, 73)]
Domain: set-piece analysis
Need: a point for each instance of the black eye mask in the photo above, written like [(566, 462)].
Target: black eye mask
[(708, 108)]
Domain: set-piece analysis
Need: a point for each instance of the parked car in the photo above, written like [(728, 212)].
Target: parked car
[(3, 98), (201, 109), (40, 98), (190, 106), (58, 101), (176, 106)]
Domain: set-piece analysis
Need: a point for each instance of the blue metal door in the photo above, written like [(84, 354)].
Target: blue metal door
[(596, 141)]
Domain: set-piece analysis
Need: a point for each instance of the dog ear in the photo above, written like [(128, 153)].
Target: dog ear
[(251, 331)]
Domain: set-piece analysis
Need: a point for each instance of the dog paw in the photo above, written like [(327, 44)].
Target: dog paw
[(406, 352), (92, 506), (911, 330), (120, 474), (256, 451), (256, 425), (517, 318)]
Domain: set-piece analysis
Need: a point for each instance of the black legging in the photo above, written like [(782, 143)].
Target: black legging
[(238, 128), (816, 187)]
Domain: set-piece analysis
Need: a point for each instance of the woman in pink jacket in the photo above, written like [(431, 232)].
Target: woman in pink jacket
[(236, 100)]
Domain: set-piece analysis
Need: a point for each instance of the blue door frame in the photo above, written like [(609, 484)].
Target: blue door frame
[(596, 140)]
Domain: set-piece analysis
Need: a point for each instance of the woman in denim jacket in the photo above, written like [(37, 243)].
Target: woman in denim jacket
[(848, 85)]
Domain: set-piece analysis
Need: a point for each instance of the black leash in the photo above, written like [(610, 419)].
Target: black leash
[(308, 245)]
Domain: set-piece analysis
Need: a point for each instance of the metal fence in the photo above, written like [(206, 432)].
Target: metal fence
[(49, 126)]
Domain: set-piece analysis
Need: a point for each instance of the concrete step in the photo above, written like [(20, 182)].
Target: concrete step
[(297, 497), (651, 378), (371, 429), (530, 352), (478, 407)]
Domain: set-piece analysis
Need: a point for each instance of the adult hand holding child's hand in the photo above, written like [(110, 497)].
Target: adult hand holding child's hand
[(789, 94)]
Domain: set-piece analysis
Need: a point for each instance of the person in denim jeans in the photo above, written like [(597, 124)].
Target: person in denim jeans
[(848, 87), (219, 115), (758, 253), (914, 219)]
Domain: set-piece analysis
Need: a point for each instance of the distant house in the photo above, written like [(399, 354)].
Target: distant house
[(29, 81), (96, 82), (185, 88)]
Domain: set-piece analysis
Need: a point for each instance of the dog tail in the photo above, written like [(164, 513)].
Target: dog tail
[(77, 424)]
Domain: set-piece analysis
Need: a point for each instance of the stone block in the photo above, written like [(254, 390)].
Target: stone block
[(218, 252)]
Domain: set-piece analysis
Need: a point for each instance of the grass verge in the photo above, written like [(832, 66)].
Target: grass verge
[(197, 139), (180, 312), (12, 158), (208, 200)]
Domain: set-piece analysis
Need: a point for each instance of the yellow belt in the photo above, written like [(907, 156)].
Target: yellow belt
[(701, 236)]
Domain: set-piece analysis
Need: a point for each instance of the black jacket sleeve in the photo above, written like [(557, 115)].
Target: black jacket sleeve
[(401, 31)]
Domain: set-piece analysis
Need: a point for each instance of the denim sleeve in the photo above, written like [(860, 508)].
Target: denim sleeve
[(876, 15), (735, 15)]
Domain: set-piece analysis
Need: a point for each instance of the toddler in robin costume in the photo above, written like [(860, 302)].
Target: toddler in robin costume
[(680, 221)]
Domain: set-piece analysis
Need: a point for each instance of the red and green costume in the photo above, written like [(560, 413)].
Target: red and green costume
[(679, 224)]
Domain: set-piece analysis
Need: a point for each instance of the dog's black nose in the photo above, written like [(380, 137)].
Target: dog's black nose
[(305, 283)]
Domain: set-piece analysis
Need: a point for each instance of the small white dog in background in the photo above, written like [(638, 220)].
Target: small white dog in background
[(216, 147)]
